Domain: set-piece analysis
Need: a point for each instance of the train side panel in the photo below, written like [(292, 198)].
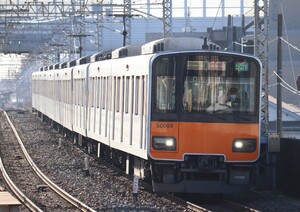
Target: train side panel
[(43, 94), (98, 119), (48, 102), (35, 88), (80, 95), (117, 115), (66, 103), (57, 93), (129, 105)]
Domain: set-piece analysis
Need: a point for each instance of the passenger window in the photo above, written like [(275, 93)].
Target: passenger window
[(127, 94), (118, 94), (103, 92), (132, 94), (164, 85), (98, 92), (137, 87)]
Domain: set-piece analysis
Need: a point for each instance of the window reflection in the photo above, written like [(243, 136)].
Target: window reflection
[(165, 85), (205, 83), (217, 86)]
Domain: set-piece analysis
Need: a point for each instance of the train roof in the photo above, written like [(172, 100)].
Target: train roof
[(160, 45), (84, 60), (178, 43), (165, 44), (105, 55), (126, 51)]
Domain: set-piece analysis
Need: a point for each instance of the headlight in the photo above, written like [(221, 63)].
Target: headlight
[(244, 145), (164, 143)]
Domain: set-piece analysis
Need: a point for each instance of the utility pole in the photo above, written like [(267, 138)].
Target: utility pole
[(264, 170), (125, 17), (167, 19), (279, 76), (261, 7), (99, 26), (80, 36), (127, 23), (58, 45)]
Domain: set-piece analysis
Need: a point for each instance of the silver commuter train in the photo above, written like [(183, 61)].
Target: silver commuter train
[(108, 102)]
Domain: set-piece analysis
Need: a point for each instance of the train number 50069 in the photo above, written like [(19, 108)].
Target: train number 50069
[(164, 125)]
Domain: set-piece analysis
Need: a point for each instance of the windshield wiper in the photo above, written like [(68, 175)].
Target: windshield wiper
[(238, 117), (215, 116)]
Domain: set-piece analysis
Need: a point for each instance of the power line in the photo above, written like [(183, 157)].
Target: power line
[(294, 47), (286, 85), (290, 54)]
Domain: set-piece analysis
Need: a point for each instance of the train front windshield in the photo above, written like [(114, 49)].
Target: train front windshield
[(205, 87)]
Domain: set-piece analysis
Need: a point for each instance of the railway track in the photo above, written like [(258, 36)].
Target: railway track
[(27, 126), (26, 181), (210, 203)]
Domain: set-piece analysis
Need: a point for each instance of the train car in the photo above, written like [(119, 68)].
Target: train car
[(42, 92), (64, 103), (80, 98), (118, 116), (35, 82), (204, 121), (179, 113)]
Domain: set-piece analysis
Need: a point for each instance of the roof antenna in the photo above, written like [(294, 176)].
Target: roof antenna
[(205, 46)]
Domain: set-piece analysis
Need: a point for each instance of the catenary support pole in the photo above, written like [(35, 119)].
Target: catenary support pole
[(279, 74)]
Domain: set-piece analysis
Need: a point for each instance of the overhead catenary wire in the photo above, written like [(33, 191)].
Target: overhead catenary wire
[(286, 85), (289, 49), (213, 25), (291, 90), (217, 14), (294, 47)]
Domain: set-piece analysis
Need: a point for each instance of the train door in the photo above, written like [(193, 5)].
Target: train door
[(86, 104), (71, 100)]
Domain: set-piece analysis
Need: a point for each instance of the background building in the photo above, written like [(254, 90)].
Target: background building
[(47, 32)]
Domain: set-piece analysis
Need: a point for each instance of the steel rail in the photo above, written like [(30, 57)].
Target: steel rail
[(20, 195), (74, 201)]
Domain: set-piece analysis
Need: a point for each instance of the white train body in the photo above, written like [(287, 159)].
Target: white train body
[(79, 99)]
